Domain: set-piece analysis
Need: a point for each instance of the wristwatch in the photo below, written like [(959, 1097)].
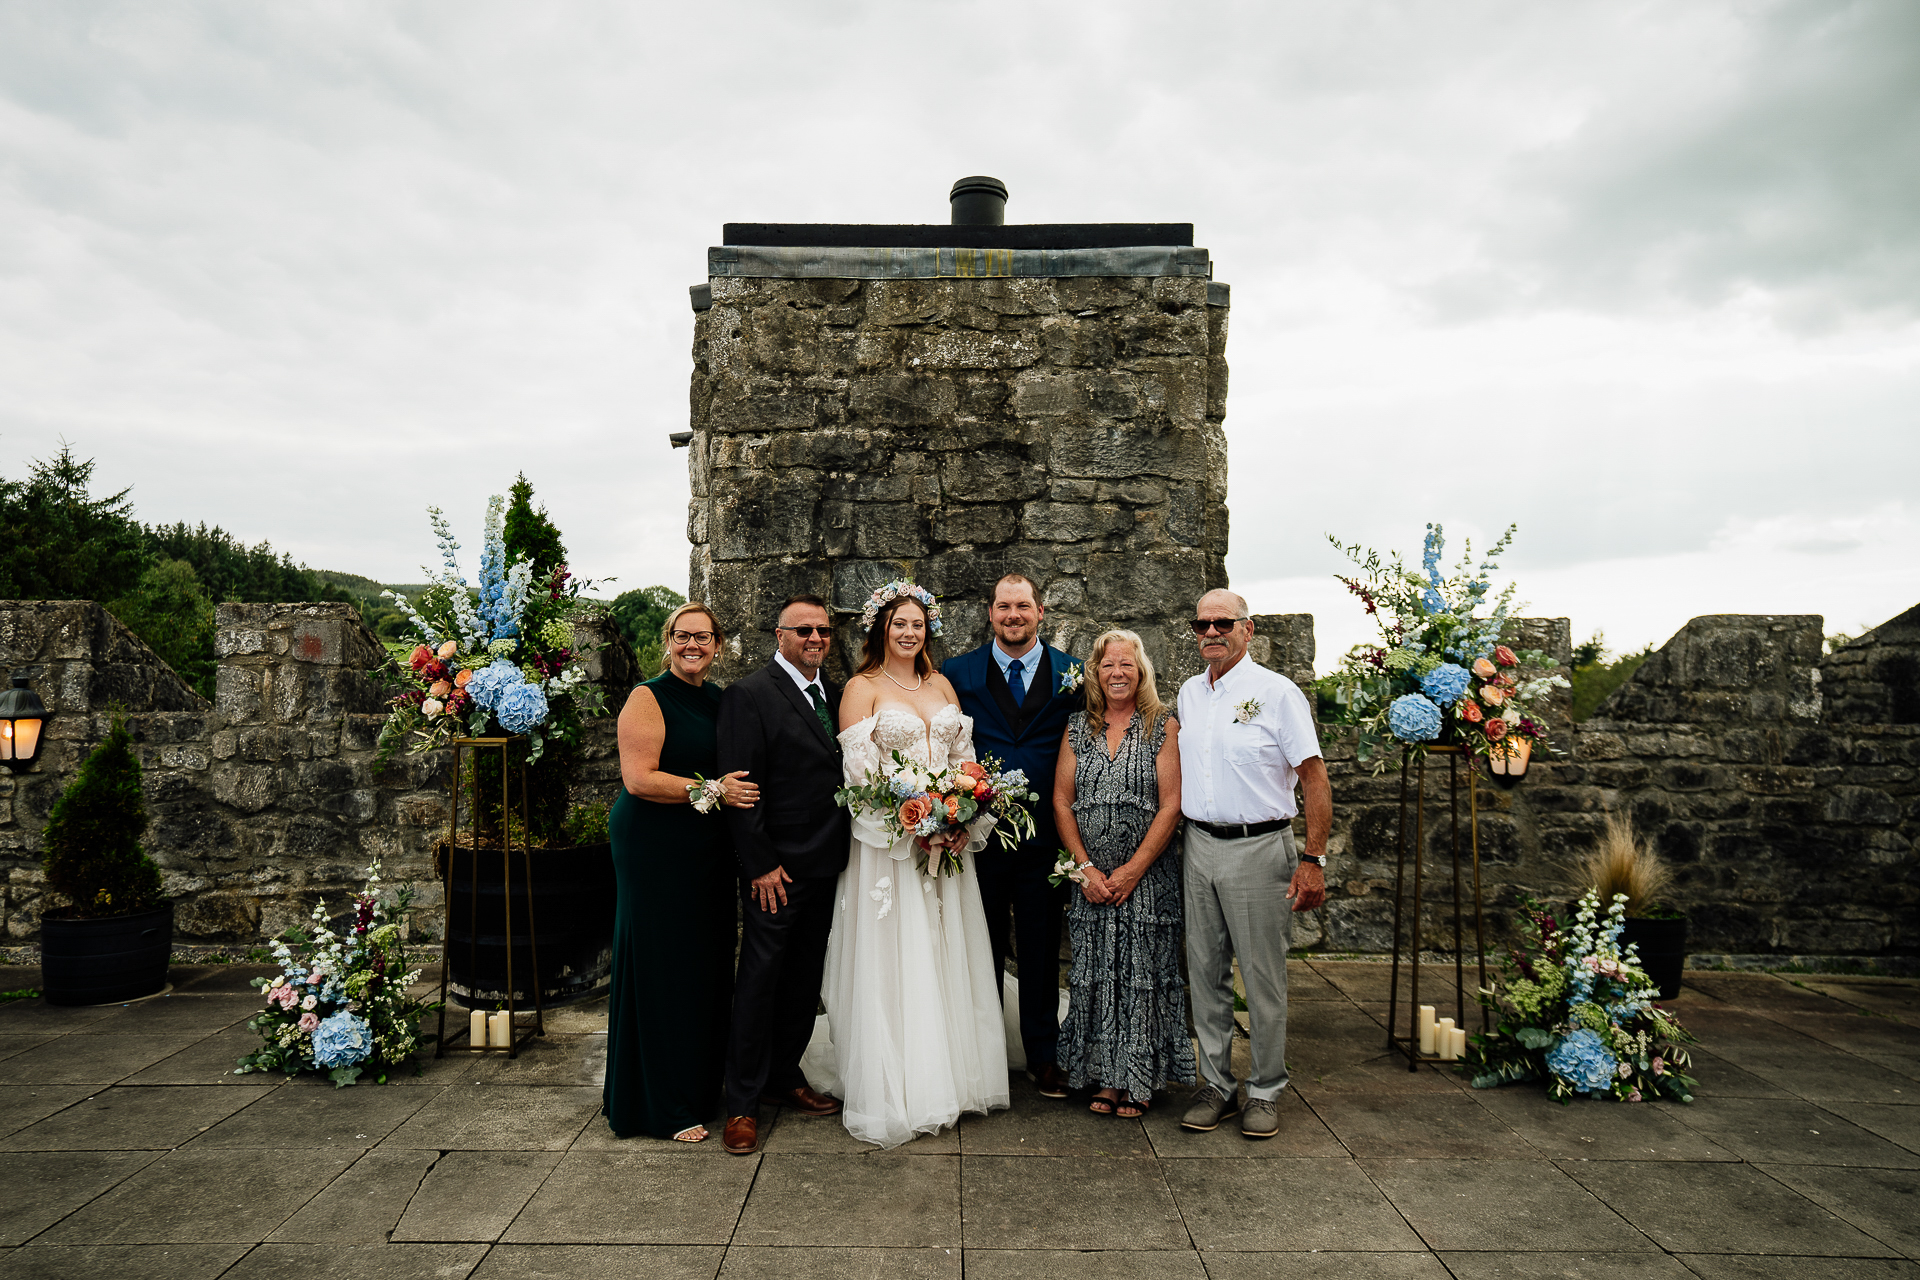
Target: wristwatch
[(1317, 859)]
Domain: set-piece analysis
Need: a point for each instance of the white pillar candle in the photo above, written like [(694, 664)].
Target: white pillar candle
[(1426, 1028), (1459, 1047), (477, 1029), (1443, 1038), (500, 1030)]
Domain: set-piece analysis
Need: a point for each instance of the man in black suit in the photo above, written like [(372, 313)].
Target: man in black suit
[(1015, 689), (778, 724)]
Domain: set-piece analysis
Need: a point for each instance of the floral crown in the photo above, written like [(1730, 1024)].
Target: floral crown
[(885, 595)]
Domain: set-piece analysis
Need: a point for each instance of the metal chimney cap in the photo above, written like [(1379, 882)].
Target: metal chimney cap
[(979, 182), (979, 201)]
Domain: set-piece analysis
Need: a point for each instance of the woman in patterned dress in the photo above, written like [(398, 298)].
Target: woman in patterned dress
[(1117, 798)]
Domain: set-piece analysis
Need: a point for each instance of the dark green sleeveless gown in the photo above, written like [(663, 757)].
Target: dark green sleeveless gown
[(673, 936)]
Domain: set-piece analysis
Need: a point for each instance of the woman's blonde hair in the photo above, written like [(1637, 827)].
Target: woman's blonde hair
[(673, 620), (1146, 701)]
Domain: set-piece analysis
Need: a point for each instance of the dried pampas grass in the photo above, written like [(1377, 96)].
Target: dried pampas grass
[(1624, 863)]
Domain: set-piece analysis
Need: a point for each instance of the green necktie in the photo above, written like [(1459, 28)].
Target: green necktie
[(820, 709)]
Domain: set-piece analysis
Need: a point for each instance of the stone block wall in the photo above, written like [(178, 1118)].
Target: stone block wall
[(269, 798), (851, 431)]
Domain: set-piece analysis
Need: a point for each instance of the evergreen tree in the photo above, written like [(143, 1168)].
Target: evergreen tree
[(171, 612), (640, 614), (93, 855), (57, 542), (530, 534)]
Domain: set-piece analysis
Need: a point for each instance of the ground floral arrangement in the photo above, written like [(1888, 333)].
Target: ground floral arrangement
[(503, 655), (339, 1004), (1440, 673), (905, 799), (1576, 1010)]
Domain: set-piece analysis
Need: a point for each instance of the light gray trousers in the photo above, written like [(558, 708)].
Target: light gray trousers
[(1236, 905)]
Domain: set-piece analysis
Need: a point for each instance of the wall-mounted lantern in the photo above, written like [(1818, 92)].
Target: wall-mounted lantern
[(22, 717), (1507, 761)]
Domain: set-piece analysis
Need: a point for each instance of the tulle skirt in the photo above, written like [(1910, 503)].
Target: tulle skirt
[(913, 1007)]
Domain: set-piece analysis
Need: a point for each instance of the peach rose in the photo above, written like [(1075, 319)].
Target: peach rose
[(1492, 694), (974, 770), (953, 808), (440, 688), (1496, 729), (1504, 656), (1470, 711), (447, 649), (914, 811), (420, 657), (1484, 669), (460, 681)]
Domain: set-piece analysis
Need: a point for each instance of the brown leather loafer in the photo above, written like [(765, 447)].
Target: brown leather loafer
[(805, 1101), (1051, 1081), (742, 1137)]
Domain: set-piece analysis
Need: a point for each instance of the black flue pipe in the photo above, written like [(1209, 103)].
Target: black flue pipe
[(979, 201)]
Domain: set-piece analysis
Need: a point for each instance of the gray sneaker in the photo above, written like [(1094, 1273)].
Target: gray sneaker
[(1208, 1109), (1261, 1119)]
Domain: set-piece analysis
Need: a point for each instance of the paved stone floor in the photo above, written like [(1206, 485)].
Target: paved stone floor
[(129, 1152)]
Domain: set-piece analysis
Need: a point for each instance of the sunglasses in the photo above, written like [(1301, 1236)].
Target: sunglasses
[(694, 637), (1205, 626), (808, 633)]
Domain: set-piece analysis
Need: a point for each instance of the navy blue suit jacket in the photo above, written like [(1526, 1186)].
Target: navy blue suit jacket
[(1025, 737)]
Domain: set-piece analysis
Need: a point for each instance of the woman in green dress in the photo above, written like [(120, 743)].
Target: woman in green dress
[(673, 930)]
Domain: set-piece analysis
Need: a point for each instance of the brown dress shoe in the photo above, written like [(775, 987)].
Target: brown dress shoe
[(1051, 1081), (742, 1137), (804, 1100)]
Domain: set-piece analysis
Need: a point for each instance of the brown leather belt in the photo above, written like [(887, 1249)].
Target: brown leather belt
[(1240, 830)]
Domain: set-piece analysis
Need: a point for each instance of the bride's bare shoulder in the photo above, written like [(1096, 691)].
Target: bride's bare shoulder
[(945, 686)]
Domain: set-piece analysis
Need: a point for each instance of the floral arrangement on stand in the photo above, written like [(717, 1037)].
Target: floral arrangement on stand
[(1576, 1010), (506, 658), (907, 799), (340, 1002), (1440, 673)]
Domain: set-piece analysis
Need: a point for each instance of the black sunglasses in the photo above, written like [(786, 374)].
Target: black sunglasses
[(808, 633), (1201, 626)]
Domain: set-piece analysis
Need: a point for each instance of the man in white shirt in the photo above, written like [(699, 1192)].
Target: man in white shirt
[(1246, 739)]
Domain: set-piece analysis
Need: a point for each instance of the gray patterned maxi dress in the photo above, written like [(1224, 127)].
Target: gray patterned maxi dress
[(1126, 1024)]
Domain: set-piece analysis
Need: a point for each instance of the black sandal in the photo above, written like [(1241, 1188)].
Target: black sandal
[(1102, 1106), (1140, 1108)]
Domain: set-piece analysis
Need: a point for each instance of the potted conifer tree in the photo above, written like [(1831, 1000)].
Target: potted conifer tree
[(113, 939)]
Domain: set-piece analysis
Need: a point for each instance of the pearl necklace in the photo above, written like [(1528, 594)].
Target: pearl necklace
[(916, 688)]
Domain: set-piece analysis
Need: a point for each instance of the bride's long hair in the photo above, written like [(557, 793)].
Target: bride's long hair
[(874, 655), (1146, 700)]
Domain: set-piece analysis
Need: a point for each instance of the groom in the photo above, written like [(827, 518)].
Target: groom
[(778, 724), (1012, 689)]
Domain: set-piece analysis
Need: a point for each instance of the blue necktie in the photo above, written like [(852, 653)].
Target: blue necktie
[(1016, 683)]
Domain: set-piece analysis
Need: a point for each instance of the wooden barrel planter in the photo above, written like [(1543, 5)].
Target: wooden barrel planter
[(573, 899), (105, 961), (1662, 949)]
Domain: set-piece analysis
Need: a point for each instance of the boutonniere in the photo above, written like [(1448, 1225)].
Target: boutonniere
[(1244, 712), (1072, 678)]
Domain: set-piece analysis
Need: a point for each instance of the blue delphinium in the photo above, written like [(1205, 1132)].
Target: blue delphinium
[(342, 1040), (489, 683), (1413, 719), (1445, 683), (521, 707), (1583, 1061)]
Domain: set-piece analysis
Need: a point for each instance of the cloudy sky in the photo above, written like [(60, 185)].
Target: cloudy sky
[(1644, 278)]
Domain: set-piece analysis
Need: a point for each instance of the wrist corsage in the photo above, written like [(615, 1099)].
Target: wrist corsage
[(1068, 869), (706, 794)]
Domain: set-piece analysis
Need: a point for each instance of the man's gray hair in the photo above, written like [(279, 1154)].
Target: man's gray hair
[(1237, 602)]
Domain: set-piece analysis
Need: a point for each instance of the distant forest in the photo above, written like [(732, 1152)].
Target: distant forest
[(59, 542)]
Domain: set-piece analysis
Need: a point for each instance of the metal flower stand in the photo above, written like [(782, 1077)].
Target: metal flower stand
[(1457, 759), (518, 1034)]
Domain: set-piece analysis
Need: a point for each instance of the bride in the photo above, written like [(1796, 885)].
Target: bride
[(913, 1004)]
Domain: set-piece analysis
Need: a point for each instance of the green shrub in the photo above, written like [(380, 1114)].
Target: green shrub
[(93, 855)]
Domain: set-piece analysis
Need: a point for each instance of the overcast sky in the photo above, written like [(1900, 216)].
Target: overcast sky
[(1644, 278)]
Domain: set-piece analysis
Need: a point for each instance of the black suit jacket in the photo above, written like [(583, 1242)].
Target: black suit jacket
[(768, 728)]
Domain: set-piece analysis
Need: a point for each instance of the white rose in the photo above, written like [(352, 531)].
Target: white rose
[(432, 707)]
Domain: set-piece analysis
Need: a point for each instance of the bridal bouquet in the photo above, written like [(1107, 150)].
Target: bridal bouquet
[(340, 1002), (503, 655), (935, 806), (1576, 1010), (1440, 673)]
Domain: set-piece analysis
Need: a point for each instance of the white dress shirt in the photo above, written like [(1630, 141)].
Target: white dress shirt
[(804, 681), (1243, 772)]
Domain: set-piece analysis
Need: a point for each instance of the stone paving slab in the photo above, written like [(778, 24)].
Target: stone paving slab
[(129, 1149)]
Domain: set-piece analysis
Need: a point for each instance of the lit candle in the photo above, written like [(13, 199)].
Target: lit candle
[(1426, 1028), (477, 1029), (1458, 1049), (500, 1029), (1443, 1034)]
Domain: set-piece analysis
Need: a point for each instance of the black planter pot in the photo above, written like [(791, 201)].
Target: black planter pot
[(1663, 950), (105, 961), (573, 897)]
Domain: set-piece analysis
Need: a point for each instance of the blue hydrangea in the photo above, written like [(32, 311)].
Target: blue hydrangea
[(1445, 683), (490, 682), (1583, 1061), (521, 707), (1413, 719), (342, 1040)]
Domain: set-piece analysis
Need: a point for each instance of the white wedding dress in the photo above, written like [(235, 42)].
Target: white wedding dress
[(913, 1005)]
